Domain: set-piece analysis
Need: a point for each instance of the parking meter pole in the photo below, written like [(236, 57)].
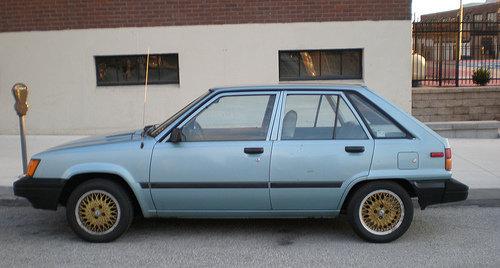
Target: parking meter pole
[(22, 125), (20, 92)]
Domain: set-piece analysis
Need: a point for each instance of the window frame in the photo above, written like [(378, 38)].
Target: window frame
[(339, 94), (408, 134), (131, 83), (213, 99), (320, 77)]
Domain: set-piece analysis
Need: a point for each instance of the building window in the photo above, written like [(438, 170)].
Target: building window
[(320, 64), (491, 17), (478, 17), (131, 69)]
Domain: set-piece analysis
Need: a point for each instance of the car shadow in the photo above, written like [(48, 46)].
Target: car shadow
[(33, 224)]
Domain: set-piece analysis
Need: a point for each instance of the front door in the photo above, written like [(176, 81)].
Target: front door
[(320, 145), (222, 162)]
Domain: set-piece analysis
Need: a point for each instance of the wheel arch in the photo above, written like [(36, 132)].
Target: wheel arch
[(354, 187), (77, 179)]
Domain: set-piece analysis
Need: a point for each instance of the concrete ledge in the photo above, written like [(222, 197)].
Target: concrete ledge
[(437, 90), (467, 129)]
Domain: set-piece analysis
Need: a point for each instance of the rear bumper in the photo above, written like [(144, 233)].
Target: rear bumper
[(41, 193), (430, 192)]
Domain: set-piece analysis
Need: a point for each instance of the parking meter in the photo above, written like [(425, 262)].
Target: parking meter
[(20, 92)]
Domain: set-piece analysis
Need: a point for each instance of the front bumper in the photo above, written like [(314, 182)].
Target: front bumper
[(431, 192), (41, 193)]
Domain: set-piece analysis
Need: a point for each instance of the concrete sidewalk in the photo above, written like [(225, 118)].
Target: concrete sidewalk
[(476, 162)]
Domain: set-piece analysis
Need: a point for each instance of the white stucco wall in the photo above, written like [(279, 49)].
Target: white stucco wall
[(58, 67)]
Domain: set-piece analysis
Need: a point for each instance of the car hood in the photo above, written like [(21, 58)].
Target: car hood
[(99, 140)]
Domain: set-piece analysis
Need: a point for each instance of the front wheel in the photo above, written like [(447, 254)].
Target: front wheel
[(380, 212), (99, 211)]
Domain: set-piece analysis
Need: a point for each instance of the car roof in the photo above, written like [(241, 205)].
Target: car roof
[(281, 87)]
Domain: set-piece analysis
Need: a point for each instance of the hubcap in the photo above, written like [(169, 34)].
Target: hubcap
[(97, 212), (381, 212)]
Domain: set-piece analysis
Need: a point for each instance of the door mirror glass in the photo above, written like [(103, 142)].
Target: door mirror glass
[(175, 135)]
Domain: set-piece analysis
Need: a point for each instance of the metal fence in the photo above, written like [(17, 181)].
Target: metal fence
[(436, 60)]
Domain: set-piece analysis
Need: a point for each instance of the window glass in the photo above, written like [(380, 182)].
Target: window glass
[(309, 64), (348, 127), (309, 117), (232, 118), (379, 125), (131, 69), (289, 65), (320, 64), (312, 117)]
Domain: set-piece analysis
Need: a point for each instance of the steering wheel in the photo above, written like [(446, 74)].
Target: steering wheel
[(193, 131)]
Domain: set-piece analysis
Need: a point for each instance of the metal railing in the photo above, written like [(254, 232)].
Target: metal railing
[(440, 59)]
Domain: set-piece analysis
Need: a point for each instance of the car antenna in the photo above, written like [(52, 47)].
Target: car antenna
[(145, 100)]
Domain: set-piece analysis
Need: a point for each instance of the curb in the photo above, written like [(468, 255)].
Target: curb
[(477, 197)]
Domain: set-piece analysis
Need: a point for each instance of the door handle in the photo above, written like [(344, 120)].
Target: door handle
[(355, 149), (253, 150)]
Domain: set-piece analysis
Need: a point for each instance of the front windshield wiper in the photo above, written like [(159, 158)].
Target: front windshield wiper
[(147, 130)]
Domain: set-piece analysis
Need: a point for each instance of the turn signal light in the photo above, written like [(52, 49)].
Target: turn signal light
[(33, 164), (447, 159)]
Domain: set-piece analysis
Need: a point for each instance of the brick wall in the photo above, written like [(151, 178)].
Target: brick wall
[(41, 15), (456, 104)]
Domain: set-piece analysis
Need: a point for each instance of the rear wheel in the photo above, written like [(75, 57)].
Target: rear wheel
[(380, 211), (99, 211)]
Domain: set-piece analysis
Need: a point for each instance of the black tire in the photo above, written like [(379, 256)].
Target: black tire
[(96, 189), (391, 225)]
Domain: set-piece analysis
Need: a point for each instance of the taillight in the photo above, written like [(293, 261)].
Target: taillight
[(447, 159)]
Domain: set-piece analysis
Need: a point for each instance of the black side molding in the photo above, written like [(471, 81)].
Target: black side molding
[(202, 185), (306, 184), (212, 185)]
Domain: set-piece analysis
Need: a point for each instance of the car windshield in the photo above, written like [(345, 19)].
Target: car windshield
[(157, 129)]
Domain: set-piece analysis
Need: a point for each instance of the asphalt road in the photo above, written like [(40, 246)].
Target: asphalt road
[(439, 236)]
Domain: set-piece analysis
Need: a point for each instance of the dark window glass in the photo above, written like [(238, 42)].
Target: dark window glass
[(320, 64), (232, 118), (347, 126), (380, 125), (131, 70), (312, 117)]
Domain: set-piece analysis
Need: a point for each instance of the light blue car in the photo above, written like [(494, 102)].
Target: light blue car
[(286, 151)]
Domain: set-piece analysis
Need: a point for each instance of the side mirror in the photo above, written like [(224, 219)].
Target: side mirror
[(175, 135)]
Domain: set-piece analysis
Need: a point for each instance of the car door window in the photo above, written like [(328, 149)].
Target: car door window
[(232, 118), (319, 117), (308, 117), (347, 126), (379, 124)]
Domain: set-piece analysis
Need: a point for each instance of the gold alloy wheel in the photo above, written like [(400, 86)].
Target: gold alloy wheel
[(381, 212), (97, 212)]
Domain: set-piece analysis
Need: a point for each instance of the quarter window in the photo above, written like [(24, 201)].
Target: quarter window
[(320, 64), (131, 69), (319, 117), (379, 124), (232, 118)]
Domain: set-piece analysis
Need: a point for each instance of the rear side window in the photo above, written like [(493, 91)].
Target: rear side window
[(319, 117), (381, 127)]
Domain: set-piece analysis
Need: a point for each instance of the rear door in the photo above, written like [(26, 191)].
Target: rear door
[(319, 145)]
